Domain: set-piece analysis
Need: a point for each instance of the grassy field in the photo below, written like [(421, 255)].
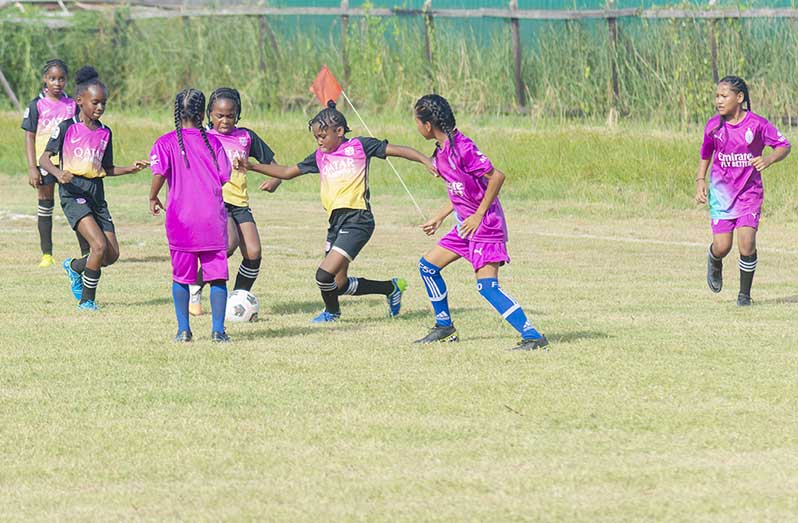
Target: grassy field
[(658, 401)]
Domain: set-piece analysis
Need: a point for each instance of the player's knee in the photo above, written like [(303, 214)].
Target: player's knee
[(325, 280), (426, 268), (111, 256), (99, 247), (253, 253), (721, 250)]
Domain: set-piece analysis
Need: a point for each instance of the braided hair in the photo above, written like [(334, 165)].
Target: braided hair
[(190, 106), (55, 62), (224, 93), (86, 77), (329, 118), (737, 85), (434, 108)]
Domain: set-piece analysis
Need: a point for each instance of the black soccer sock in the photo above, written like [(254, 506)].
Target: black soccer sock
[(247, 273), (361, 286), (90, 280), (747, 267), (85, 248), (718, 262), (79, 264), (45, 223), (329, 291)]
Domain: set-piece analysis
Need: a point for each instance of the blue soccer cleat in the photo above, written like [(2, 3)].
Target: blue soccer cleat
[(326, 317), (395, 298), (88, 306), (75, 280)]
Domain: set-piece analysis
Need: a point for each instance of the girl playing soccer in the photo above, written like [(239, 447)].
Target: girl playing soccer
[(480, 235), (736, 137), (224, 111), (85, 148), (343, 165), (42, 115), (195, 166)]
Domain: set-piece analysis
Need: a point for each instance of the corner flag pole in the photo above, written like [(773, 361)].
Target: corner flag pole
[(423, 216)]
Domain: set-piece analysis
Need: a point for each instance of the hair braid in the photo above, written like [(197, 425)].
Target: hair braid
[(208, 145), (329, 118), (434, 109), (179, 124)]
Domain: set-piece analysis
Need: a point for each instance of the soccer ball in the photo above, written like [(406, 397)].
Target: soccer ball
[(242, 306)]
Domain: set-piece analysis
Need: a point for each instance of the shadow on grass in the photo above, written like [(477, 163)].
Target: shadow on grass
[(143, 259), (163, 300), (296, 307), (777, 301), (265, 333)]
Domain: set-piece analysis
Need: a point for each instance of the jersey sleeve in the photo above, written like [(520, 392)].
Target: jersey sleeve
[(373, 148), (159, 160), (309, 165), (772, 137), (108, 156), (30, 118), (708, 145), (472, 161), (56, 142), (259, 150)]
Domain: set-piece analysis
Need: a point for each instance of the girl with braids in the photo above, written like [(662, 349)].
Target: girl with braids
[(85, 148), (43, 114), (224, 111), (343, 166), (480, 235), (735, 137), (196, 167)]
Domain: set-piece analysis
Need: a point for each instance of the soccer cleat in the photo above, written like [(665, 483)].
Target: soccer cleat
[(46, 261), (533, 344), (395, 298), (195, 300), (75, 280), (88, 306), (439, 333), (220, 337), (714, 274), (744, 300), (183, 337), (326, 317)]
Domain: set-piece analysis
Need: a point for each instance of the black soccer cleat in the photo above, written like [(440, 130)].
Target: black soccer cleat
[(744, 300), (714, 274), (183, 337), (439, 333), (220, 337), (530, 344)]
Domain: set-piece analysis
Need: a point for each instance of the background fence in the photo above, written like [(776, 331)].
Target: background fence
[(593, 61)]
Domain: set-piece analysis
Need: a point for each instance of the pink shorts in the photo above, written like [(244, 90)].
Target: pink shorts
[(185, 265), (478, 254), (750, 219)]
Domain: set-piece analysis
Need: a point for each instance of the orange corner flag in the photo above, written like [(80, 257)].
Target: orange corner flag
[(326, 87)]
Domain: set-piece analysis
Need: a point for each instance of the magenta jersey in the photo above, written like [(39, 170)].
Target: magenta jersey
[(43, 115), (83, 152), (196, 219), (464, 167), (735, 187)]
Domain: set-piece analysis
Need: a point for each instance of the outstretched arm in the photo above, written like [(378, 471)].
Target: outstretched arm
[(495, 182), (136, 167), (408, 153), (283, 172)]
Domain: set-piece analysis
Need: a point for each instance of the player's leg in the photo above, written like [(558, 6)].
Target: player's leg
[(430, 266), (44, 222), (250, 247), (214, 270), (334, 263), (184, 270), (507, 307), (90, 266), (718, 249), (746, 241)]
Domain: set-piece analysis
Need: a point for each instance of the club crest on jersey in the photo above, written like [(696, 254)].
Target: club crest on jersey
[(349, 151), (55, 133), (749, 136), (154, 159), (242, 141)]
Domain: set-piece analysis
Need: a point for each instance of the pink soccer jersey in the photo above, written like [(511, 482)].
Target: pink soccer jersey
[(464, 167), (735, 186), (196, 219), (43, 115), (84, 152)]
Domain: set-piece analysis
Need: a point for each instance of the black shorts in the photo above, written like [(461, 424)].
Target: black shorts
[(239, 214), (47, 178), (349, 231), (83, 197)]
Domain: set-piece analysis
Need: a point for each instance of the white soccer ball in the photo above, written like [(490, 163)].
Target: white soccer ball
[(242, 306)]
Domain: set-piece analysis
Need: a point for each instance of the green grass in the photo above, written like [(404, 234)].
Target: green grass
[(659, 401)]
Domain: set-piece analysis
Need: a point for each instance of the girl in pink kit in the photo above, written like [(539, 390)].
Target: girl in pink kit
[(42, 115), (195, 166), (733, 143), (480, 235)]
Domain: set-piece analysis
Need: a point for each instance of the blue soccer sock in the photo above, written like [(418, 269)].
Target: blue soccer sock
[(436, 290), (180, 295), (218, 305), (507, 307)]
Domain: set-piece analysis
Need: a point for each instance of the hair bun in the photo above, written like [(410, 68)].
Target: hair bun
[(85, 74), (331, 104)]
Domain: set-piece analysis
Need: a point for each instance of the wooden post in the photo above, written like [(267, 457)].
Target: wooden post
[(520, 99), (344, 31), (9, 91), (267, 33), (713, 48), (615, 89), (429, 28)]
